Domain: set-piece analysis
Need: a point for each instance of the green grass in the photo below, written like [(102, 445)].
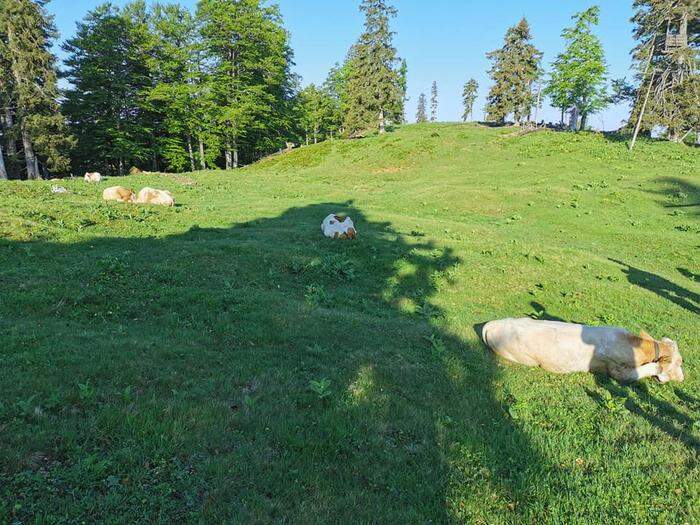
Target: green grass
[(221, 361)]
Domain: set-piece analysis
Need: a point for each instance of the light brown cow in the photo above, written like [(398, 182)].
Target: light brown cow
[(118, 193), (153, 196), (92, 177), (566, 347)]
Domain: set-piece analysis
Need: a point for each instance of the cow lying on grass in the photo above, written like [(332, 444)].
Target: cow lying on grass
[(337, 227), (145, 196), (118, 193), (92, 177), (565, 347), (153, 196)]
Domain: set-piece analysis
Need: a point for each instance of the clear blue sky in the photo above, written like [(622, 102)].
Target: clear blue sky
[(442, 40)]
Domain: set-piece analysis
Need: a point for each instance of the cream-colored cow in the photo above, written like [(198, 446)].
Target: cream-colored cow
[(92, 177), (118, 193), (153, 196), (566, 347)]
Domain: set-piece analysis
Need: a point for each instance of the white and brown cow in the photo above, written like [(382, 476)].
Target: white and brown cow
[(566, 347)]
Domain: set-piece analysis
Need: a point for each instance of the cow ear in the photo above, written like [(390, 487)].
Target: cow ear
[(645, 335)]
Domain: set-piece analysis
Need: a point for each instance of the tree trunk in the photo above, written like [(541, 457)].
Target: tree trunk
[(202, 159), (573, 119), (3, 171), (29, 157), (316, 134), (189, 151), (561, 122), (11, 144), (235, 157), (382, 122), (120, 167), (228, 157), (584, 119)]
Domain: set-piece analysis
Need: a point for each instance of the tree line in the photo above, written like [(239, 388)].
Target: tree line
[(163, 88), (665, 94)]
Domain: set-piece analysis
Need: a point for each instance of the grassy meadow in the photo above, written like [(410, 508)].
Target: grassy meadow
[(222, 362)]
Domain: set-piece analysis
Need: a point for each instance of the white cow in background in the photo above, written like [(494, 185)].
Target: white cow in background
[(92, 177), (338, 227)]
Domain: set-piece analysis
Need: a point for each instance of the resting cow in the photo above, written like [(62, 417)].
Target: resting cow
[(118, 193), (153, 196), (92, 177), (566, 347), (336, 227)]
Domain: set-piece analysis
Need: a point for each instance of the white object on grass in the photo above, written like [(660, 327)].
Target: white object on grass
[(338, 227)]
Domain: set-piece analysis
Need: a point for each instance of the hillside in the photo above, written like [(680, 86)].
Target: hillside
[(222, 361)]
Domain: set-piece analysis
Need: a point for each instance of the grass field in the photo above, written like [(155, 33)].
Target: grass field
[(221, 361)]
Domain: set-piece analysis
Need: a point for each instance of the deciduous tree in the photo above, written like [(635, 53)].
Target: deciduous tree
[(579, 73)]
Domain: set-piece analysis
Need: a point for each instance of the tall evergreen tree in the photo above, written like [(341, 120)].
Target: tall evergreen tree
[(421, 115), (29, 90), (375, 93), (250, 60), (433, 102), (578, 77), (110, 80), (667, 64), (516, 66), (469, 97)]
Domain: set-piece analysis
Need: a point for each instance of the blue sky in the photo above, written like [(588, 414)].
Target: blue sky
[(442, 40)]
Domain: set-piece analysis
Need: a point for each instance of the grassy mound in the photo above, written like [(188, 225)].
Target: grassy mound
[(222, 361)]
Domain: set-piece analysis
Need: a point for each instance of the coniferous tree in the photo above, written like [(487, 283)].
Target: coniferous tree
[(375, 94), (516, 66), (469, 97), (110, 79), (578, 77), (669, 74), (433, 102), (421, 114), (250, 60), (29, 90)]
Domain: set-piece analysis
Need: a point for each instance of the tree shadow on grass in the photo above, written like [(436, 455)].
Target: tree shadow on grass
[(259, 373), (680, 194), (662, 287)]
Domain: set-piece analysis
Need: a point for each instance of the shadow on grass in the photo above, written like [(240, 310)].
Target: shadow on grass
[(662, 287), (678, 191), (259, 373)]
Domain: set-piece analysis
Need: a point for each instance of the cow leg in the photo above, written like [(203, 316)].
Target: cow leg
[(627, 375)]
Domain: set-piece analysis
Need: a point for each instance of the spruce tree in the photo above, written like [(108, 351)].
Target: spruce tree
[(516, 66), (668, 74), (30, 86), (433, 102), (421, 115), (110, 79), (578, 75), (375, 94), (469, 97)]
